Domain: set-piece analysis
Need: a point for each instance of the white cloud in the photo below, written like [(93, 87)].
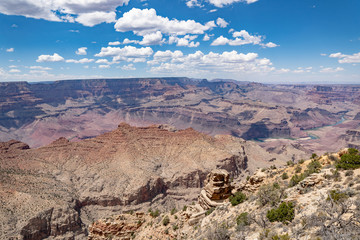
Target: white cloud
[(242, 38), (103, 61), (82, 61), (270, 45), (94, 18), (206, 37), (129, 67), (10, 50), (127, 53), (14, 70), (221, 23), (14, 26), (198, 62), (152, 39), (13, 66), (145, 21), (104, 66), (86, 12), (193, 3), (186, 41), (222, 3), (331, 70), (128, 41), (343, 58), (74, 31), (50, 58), (40, 68), (114, 43), (81, 51)]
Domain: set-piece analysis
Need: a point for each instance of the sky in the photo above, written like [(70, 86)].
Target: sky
[(268, 41)]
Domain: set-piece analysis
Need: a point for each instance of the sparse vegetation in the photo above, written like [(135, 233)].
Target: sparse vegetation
[(298, 169), (284, 176), (184, 208), (285, 213), (166, 220), (243, 219), (209, 211), (350, 160), (173, 211), (296, 179), (155, 213), (238, 198), (337, 196), (290, 163), (301, 161), (269, 194)]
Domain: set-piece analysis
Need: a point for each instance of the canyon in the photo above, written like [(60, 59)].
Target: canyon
[(39, 113)]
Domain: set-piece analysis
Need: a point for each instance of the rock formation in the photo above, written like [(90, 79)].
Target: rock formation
[(59, 189), (217, 189)]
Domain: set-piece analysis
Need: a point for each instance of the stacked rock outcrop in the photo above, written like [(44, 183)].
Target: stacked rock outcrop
[(217, 189)]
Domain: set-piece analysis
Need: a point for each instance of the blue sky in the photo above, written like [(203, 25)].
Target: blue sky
[(269, 41)]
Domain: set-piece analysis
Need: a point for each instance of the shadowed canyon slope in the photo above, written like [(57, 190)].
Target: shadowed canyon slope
[(77, 109), (59, 189)]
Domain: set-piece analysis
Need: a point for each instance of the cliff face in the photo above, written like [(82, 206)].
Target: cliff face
[(78, 109), (58, 189)]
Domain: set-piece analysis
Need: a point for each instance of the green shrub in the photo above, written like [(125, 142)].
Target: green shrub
[(313, 167), (313, 156), (290, 163), (337, 196), (284, 176), (269, 194), (301, 161), (296, 179), (238, 198), (298, 169), (281, 237), (166, 220), (175, 227), (247, 178), (184, 208), (243, 219), (209, 211), (285, 213), (276, 185), (350, 160), (173, 211), (155, 213)]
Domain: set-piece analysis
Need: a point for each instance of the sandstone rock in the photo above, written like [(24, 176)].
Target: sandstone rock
[(121, 227), (217, 189)]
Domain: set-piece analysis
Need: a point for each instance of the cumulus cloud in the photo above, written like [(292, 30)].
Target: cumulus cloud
[(10, 50), (193, 3), (146, 21), (94, 18), (127, 53), (104, 66), (242, 38), (331, 70), (198, 62), (114, 43), (152, 39), (129, 67), (221, 23), (343, 58), (88, 13), (222, 3), (206, 37), (81, 51), (270, 45), (50, 58), (41, 68), (186, 41), (217, 3), (82, 61), (14, 70)]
